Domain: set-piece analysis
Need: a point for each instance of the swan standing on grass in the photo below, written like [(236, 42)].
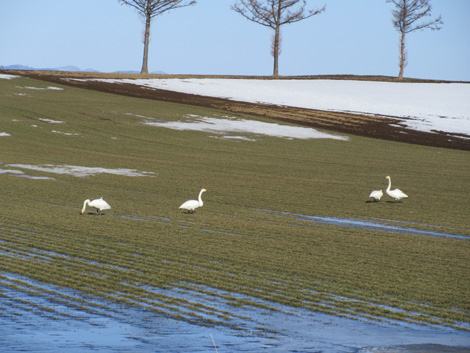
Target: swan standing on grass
[(395, 194), (98, 204), (191, 205), (376, 195)]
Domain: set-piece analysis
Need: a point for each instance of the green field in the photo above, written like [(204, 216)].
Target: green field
[(246, 239)]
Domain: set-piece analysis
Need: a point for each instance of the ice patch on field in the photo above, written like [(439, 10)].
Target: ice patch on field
[(229, 127), (79, 171)]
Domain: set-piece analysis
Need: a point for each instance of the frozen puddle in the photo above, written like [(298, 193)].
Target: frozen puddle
[(230, 128), (41, 318), (381, 225), (74, 170)]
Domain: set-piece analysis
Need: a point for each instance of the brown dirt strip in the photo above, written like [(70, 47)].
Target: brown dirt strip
[(380, 127)]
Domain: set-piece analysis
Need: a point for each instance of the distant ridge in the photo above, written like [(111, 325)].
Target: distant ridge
[(69, 68)]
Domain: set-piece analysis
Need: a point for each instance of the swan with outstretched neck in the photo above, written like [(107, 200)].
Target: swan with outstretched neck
[(191, 205), (99, 205), (395, 194)]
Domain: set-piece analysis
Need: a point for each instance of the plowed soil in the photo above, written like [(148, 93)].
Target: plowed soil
[(380, 127)]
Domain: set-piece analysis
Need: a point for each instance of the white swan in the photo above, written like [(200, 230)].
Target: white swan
[(395, 194), (98, 204), (191, 205), (376, 195)]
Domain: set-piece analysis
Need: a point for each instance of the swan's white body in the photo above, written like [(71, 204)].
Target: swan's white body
[(191, 205), (395, 194), (98, 204), (376, 195)]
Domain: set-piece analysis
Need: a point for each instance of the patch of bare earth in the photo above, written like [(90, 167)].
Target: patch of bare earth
[(380, 127)]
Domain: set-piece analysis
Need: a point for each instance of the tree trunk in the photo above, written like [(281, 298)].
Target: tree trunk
[(276, 44), (402, 55), (277, 40), (148, 19)]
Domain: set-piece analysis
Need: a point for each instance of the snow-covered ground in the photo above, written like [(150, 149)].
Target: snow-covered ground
[(425, 107), (422, 106)]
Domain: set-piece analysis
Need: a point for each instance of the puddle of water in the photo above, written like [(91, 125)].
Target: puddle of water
[(42, 324), (371, 225)]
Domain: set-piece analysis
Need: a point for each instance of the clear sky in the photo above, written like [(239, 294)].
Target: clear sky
[(350, 37)]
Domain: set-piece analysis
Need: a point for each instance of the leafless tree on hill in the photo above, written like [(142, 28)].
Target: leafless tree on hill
[(150, 9), (406, 19), (274, 14)]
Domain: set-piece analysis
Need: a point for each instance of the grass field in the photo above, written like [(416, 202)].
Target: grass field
[(246, 239)]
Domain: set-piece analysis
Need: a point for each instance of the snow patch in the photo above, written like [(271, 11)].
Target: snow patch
[(425, 107), (79, 171), (4, 134), (220, 126), (65, 133), (50, 88), (50, 121), (7, 77)]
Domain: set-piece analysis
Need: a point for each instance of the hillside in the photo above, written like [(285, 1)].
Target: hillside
[(381, 127)]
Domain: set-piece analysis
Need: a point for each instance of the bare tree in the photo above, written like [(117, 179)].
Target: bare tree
[(150, 9), (406, 18), (274, 14)]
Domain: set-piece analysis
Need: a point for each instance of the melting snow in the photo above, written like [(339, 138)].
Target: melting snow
[(7, 77), (50, 121), (242, 126), (65, 133), (422, 106), (4, 134), (50, 88), (79, 171)]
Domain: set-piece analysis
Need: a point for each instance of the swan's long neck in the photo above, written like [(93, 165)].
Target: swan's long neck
[(86, 202), (200, 200), (389, 183)]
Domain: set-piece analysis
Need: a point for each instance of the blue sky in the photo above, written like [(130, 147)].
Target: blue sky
[(351, 37)]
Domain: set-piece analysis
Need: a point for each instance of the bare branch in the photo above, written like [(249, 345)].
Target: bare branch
[(156, 7), (409, 12), (274, 14), (409, 16), (149, 9)]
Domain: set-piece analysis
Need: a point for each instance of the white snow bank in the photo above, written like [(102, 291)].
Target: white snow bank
[(242, 126), (422, 106), (79, 171)]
